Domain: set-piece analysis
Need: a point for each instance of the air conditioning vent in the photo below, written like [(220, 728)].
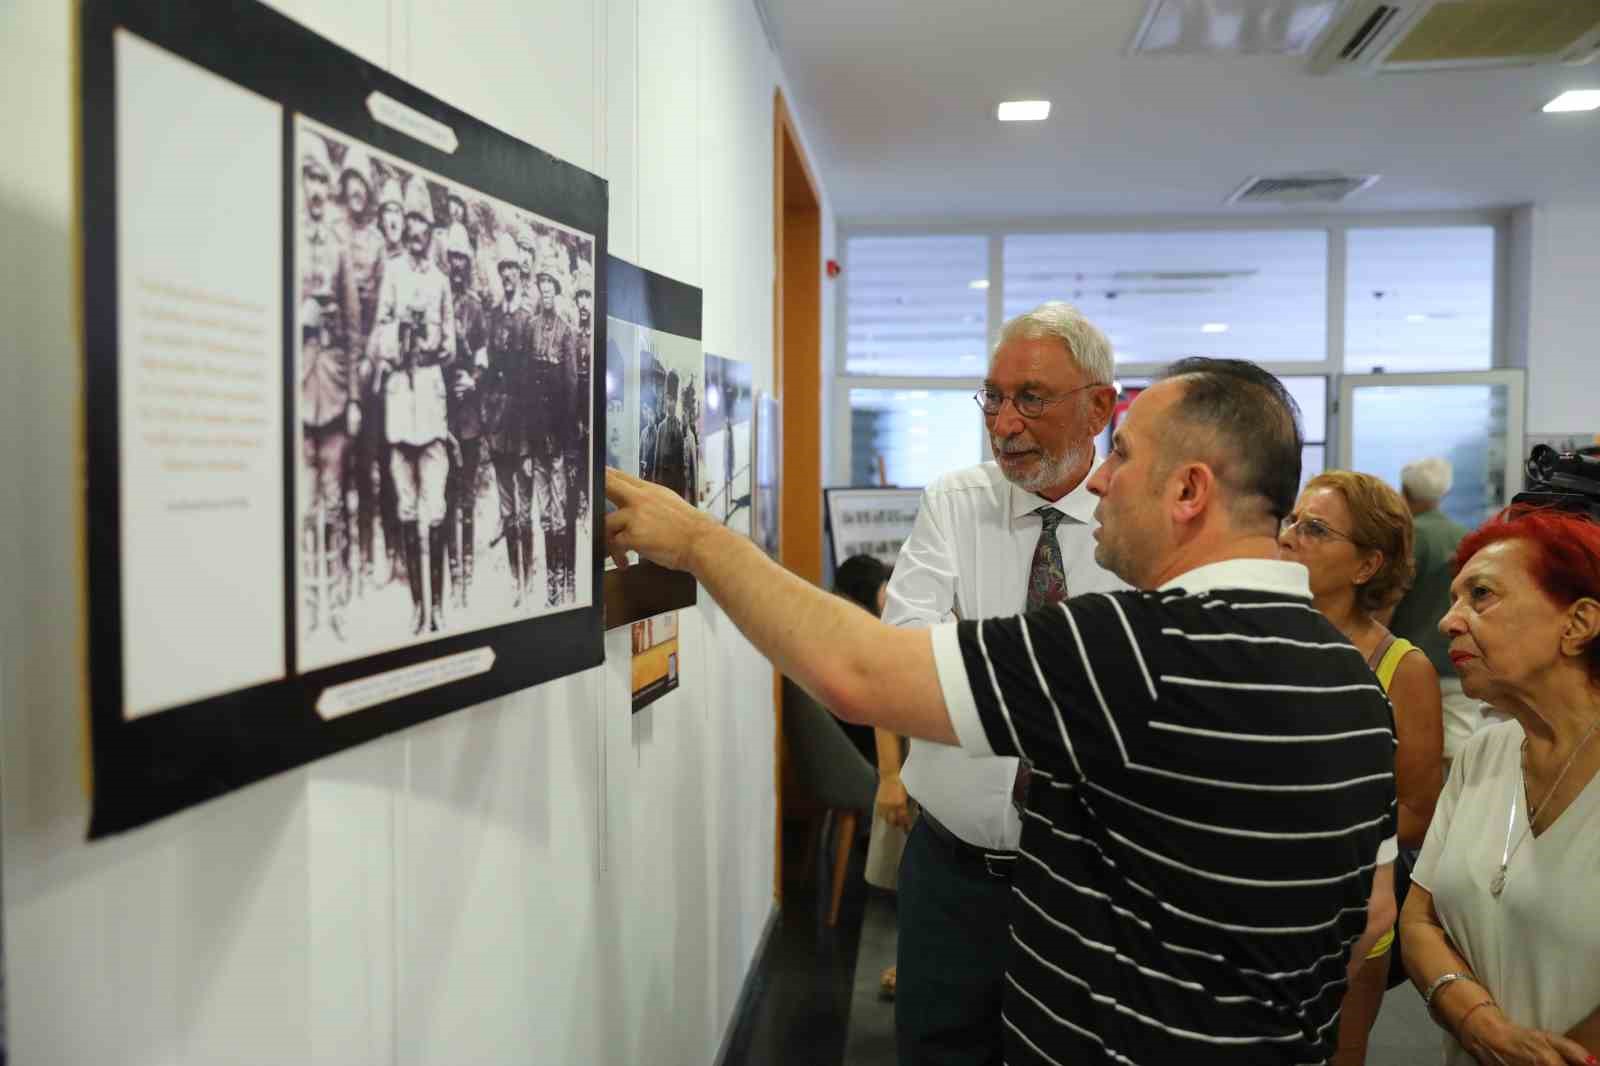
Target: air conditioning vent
[(1367, 32), (1393, 36), (1301, 189)]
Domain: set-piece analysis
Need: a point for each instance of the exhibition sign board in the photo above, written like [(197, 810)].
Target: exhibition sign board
[(871, 522), (341, 441), (655, 394)]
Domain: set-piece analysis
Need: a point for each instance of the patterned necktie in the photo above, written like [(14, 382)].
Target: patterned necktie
[(1047, 585), (1047, 578)]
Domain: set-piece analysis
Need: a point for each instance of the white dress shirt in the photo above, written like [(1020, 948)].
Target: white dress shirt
[(969, 556)]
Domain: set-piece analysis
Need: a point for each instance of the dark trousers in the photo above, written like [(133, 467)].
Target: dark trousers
[(955, 941)]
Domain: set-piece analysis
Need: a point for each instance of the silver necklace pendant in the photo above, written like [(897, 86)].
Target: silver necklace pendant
[(1498, 885)]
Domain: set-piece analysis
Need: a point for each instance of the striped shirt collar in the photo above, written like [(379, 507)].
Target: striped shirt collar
[(1078, 505), (1254, 575)]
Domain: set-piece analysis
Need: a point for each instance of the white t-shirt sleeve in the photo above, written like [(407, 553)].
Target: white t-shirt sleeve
[(1389, 850), (958, 701)]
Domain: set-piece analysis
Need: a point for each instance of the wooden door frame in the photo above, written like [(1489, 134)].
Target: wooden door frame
[(797, 380)]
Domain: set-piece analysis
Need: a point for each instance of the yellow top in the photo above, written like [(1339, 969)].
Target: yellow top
[(1391, 660)]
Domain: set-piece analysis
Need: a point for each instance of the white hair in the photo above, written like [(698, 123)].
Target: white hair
[(1089, 347), (1427, 480)]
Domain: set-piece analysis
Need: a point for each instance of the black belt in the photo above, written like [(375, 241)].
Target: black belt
[(997, 864)]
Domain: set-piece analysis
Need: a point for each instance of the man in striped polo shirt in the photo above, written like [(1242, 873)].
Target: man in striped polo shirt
[(1212, 763)]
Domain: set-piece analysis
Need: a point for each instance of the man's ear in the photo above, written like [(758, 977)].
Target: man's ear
[(1196, 491), (1102, 402)]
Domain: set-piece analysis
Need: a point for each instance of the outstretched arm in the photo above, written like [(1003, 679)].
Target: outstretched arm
[(857, 667)]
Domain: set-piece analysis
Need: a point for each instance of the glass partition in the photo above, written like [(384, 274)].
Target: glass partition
[(1419, 299), (908, 437)]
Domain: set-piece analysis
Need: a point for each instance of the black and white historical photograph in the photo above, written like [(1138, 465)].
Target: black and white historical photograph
[(656, 414), (672, 415), (444, 348), (622, 394), (729, 422)]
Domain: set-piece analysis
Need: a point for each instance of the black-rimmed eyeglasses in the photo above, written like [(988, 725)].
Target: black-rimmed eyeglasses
[(1028, 403)]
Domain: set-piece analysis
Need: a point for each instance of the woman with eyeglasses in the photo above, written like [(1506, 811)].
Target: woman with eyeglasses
[(1353, 534), (1502, 928)]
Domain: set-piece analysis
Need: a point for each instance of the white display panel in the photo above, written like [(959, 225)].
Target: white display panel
[(200, 391)]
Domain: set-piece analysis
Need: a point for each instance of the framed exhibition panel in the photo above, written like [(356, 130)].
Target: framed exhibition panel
[(655, 398), (729, 428), (340, 412), (871, 522), (768, 471)]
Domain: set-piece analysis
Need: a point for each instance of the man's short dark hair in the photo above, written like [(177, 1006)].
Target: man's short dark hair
[(1253, 421)]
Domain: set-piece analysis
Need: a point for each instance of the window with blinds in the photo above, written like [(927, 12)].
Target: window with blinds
[(1257, 295), (916, 306)]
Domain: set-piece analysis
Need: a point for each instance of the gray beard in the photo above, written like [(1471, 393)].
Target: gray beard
[(1054, 468)]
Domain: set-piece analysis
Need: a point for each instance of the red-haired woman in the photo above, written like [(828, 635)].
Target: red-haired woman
[(1501, 930)]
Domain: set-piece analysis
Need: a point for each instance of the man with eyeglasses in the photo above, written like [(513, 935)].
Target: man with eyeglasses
[(1212, 763), (989, 541)]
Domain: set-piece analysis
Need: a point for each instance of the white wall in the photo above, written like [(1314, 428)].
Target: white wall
[(1560, 256), (543, 878)]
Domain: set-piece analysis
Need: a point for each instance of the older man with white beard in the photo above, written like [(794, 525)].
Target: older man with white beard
[(990, 540)]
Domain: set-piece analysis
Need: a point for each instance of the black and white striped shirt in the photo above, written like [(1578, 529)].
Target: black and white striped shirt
[(1213, 777)]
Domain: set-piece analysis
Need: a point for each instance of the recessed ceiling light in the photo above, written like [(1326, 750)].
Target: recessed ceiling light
[(1416, 318), (980, 284), (1575, 100), (1023, 111), (1214, 327)]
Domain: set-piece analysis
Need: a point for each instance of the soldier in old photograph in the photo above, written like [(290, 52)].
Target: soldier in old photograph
[(578, 433), (365, 249), (330, 411), (413, 339), (466, 421), (376, 497), (671, 454), (552, 379), (504, 397)]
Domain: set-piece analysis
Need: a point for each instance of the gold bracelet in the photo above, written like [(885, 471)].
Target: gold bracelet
[(1461, 1025)]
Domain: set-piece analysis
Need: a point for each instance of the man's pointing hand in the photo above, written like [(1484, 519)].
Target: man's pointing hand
[(651, 520)]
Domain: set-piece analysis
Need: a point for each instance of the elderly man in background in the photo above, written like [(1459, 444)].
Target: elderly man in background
[(989, 541), (1212, 764), (1424, 483)]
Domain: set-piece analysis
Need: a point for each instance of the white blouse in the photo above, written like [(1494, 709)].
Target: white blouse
[(1536, 947)]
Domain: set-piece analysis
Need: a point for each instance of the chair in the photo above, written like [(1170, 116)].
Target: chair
[(829, 770)]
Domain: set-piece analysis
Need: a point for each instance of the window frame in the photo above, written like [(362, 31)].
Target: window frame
[(1336, 226)]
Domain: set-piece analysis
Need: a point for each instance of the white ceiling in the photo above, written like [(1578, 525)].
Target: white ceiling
[(899, 95)]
